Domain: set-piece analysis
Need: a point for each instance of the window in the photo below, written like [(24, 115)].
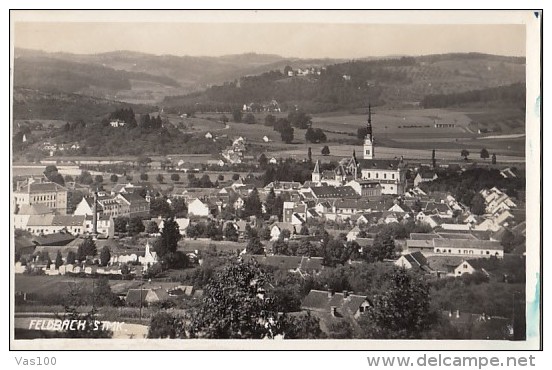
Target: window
[(465, 266), (384, 175), (367, 151), (377, 175), (368, 174), (393, 176)]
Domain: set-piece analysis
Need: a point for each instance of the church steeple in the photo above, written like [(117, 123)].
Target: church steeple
[(369, 139), (316, 172)]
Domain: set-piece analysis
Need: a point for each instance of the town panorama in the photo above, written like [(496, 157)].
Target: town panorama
[(254, 196)]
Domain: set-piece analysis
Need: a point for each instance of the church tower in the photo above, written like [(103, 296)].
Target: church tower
[(316, 173), (369, 139)]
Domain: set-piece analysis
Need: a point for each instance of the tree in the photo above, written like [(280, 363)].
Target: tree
[(120, 224), (70, 259), (135, 226), (493, 159), (254, 246), (484, 153), (160, 207), (179, 208), (223, 119), (165, 325), (220, 177), (252, 205), (478, 205), (300, 119), (325, 150), (168, 241), (114, 178), (152, 227), (85, 178), (69, 178), (270, 120), (465, 153), (98, 179), (304, 230), (315, 135), (159, 178), (383, 248), (263, 160), (235, 306), (309, 154), (59, 259), (105, 256), (52, 174), (237, 115), (401, 311), (144, 176), (235, 177), (433, 160), (230, 232), (249, 119), (286, 133), (265, 233), (175, 177), (86, 249)]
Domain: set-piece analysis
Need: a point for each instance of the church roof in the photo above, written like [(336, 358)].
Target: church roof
[(381, 164)]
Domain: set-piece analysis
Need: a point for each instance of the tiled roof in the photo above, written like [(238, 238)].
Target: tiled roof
[(423, 236), (70, 220), (467, 244), (35, 209), (334, 192), (381, 164), (322, 301), (40, 220), (46, 187), (281, 262)]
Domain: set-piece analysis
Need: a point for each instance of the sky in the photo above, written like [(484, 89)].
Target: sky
[(286, 38)]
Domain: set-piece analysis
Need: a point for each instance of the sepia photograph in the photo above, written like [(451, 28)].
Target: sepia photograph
[(275, 179)]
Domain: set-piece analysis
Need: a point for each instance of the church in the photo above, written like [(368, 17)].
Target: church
[(390, 174)]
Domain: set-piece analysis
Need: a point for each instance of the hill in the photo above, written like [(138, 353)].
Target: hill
[(139, 77), (35, 104), (350, 85)]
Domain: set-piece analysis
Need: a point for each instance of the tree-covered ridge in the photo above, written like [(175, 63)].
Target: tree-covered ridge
[(511, 95), (351, 84)]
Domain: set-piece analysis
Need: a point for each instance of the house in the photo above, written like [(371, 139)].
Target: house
[(471, 266), (414, 260), (133, 205), (509, 173), (24, 212), (208, 135), (215, 162), (330, 305), (277, 228), (273, 160), (333, 192), (424, 176), (183, 224), (472, 248), (352, 235), (365, 188), (295, 214), (104, 225), (266, 139), (117, 123), (39, 191), (49, 224), (198, 208)]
